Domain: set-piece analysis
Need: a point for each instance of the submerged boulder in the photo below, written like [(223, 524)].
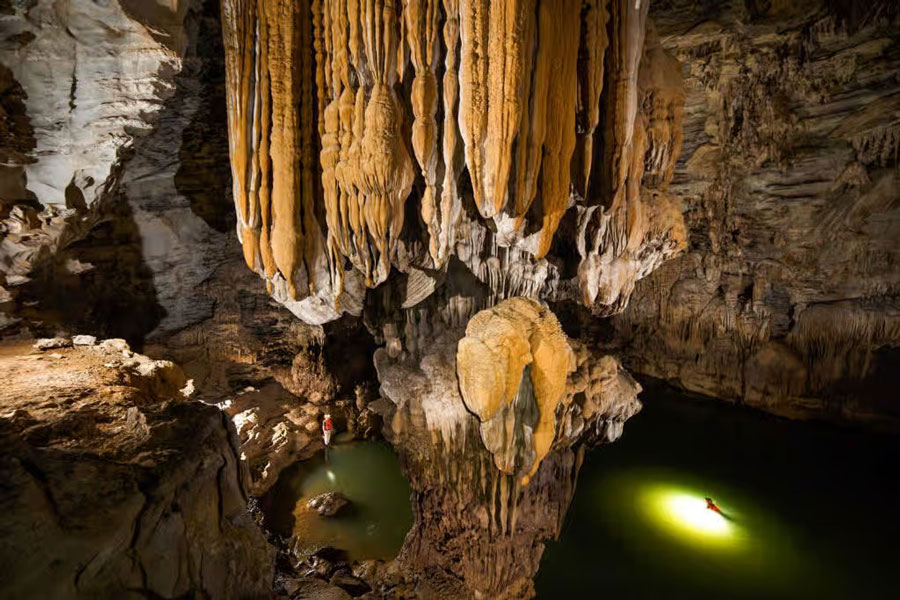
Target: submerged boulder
[(329, 504)]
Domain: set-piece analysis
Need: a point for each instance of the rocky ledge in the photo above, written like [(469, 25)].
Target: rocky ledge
[(114, 484)]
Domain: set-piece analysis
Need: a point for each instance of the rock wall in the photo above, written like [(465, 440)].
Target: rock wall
[(87, 78), (787, 298), (115, 484)]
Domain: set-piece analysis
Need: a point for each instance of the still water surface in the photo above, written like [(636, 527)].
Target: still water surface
[(808, 510), (368, 473)]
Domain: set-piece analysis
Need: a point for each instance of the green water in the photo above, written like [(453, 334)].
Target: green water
[(811, 510), (369, 475)]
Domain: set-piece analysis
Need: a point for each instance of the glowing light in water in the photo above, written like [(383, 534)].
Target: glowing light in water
[(331, 476), (692, 513), (683, 514)]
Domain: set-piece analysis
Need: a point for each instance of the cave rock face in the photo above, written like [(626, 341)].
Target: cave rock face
[(532, 140), (75, 105), (787, 296), (117, 485), (512, 366)]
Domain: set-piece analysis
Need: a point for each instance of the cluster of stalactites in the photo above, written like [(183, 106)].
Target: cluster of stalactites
[(397, 93), (270, 95)]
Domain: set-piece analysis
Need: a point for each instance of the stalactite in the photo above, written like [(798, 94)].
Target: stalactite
[(270, 120), (421, 18), (451, 204), (517, 101), (238, 33), (366, 170), (594, 41), (495, 58)]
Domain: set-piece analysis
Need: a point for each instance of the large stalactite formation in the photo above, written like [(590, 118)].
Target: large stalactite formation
[(367, 137)]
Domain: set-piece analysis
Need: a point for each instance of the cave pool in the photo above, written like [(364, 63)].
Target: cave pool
[(368, 473)]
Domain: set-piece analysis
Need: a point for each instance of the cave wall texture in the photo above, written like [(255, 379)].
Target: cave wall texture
[(787, 296)]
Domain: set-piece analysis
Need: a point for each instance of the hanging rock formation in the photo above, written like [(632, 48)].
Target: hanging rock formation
[(371, 138), (512, 368)]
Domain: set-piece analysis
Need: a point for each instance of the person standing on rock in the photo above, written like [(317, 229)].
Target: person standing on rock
[(327, 429)]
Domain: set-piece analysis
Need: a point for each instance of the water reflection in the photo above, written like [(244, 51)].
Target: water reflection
[(806, 511)]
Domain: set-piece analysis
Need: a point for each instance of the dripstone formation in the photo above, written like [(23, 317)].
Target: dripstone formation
[(370, 138)]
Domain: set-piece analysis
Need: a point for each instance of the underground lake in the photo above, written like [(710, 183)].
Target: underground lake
[(808, 510)]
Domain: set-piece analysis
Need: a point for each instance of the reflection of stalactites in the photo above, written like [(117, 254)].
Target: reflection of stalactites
[(495, 56)]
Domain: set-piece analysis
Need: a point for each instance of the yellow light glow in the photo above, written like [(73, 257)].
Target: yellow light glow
[(331, 476), (682, 514), (691, 513)]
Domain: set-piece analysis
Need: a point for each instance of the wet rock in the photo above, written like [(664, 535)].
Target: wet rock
[(315, 589), (329, 504)]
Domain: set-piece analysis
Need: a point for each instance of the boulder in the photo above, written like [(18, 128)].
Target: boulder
[(329, 504)]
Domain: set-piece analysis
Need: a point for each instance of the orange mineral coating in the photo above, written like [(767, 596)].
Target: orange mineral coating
[(495, 56), (594, 41), (491, 359), (367, 172), (338, 109)]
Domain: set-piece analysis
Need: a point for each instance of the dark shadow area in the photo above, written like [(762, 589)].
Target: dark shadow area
[(798, 495), (16, 143), (204, 177), (98, 286)]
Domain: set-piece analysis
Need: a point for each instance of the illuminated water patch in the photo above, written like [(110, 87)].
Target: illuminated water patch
[(683, 513)]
